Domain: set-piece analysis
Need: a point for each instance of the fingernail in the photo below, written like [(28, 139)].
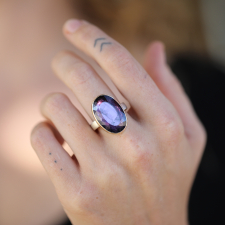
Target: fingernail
[(72, 25)]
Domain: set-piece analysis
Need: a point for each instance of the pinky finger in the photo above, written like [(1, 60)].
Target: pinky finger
[(61, 168)]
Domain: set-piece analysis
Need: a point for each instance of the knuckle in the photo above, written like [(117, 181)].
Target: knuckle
[(79, 205), (38, 133), (82, 205), (58, 58), (110, 175), (118, 59), (53, 102), (170, 128), (173, 131), (82, 202), (139, 155), (79, 73), (140, 158), (130, 140)]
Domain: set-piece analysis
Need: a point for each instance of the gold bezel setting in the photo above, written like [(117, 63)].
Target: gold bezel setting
[(122, 108)]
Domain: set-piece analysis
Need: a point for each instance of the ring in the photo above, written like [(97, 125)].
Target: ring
[(109, 114)]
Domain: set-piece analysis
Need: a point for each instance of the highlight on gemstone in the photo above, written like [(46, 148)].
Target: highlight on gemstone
[(109, 114)]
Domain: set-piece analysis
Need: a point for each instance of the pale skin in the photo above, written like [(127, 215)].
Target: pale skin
[(141, 176)]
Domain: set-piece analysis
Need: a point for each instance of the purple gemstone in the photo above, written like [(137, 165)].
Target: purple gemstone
[(109, 114)]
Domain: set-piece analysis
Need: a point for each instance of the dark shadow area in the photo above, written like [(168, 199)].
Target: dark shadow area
[(204, 82), (66, 223)]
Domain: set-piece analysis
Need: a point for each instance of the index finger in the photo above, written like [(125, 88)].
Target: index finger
[(127, 74)]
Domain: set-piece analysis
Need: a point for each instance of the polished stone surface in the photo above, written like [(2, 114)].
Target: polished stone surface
[(109, 114)]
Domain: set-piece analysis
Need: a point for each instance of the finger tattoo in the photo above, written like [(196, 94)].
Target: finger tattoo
[(102, 44), (55, 161), (98, 39)]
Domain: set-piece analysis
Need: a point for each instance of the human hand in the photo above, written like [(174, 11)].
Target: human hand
[(140, 176)]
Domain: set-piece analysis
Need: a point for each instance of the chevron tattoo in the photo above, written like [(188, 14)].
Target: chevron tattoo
[(102, 43)]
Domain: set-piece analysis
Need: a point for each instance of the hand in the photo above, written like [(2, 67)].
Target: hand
[(141, 176)]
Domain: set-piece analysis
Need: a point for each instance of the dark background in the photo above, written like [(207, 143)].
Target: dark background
[(204, 82)]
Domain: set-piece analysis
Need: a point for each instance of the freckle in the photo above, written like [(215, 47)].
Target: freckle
[(96, 197)]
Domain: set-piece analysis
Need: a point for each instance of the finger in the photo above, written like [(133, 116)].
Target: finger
[(155, 65), (61, 169), (71, 124), (127, 74), (81, 78)]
